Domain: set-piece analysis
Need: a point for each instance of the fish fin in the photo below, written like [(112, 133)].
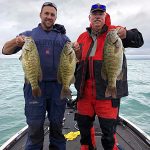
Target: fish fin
[(40, 75), (65, 93), (59, 79), (77, 60), (111, 91), (26, 80), (120, 77), (72, 80), (20, 58), (36, 92), (103, 73), (123, 49)]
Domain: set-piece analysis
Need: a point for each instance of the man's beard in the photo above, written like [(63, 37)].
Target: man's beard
[(48, 26)]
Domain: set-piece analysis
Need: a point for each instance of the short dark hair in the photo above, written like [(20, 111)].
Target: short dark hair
[(49, 4)]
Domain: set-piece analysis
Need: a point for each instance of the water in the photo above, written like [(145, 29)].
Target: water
[(135, 107)]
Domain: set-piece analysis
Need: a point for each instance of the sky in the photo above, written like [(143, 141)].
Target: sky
[(17, 16)]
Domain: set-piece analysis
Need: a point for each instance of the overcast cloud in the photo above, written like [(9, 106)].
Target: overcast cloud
[(17, 16)]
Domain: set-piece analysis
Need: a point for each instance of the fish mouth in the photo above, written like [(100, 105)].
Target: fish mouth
[(115, 41), (27, 49), (70, 53)]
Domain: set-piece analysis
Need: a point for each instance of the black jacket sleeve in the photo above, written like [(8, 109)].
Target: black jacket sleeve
[(133, 39)]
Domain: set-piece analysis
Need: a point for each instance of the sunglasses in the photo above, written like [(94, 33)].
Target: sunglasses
[(98, 6), (49, 4)]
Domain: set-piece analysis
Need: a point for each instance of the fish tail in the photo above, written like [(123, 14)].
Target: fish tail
[(111, 91), (36, 92), (65, 93)]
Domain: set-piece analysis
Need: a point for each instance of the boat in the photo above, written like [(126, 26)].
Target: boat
[(129, 136)]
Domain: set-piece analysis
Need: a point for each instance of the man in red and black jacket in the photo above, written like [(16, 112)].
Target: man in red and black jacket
[(89, 83)]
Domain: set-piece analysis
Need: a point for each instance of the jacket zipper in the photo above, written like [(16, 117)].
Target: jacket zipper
[(91, 71)]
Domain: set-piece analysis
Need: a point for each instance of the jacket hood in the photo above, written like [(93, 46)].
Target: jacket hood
[(60, 28), (107, 20)]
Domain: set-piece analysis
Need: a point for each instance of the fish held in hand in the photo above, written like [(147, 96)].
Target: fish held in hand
[(31, 65), (112, 62), (66, 69)]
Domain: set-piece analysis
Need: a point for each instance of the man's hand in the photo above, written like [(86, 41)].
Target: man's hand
[(76, 46), (122, 32), (20, 40), (77, 50)]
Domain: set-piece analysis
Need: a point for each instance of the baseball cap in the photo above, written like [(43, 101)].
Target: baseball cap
[(97, 7)]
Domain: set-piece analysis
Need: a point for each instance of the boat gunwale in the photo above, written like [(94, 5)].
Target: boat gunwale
[(124, 122), (14, 138), (136, 130)]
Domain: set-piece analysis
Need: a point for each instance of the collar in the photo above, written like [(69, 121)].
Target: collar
[(104, 29), (56, 27)]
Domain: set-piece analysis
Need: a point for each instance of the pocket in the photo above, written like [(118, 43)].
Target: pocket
[(115, 102), (34, 111), (27, 91)]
